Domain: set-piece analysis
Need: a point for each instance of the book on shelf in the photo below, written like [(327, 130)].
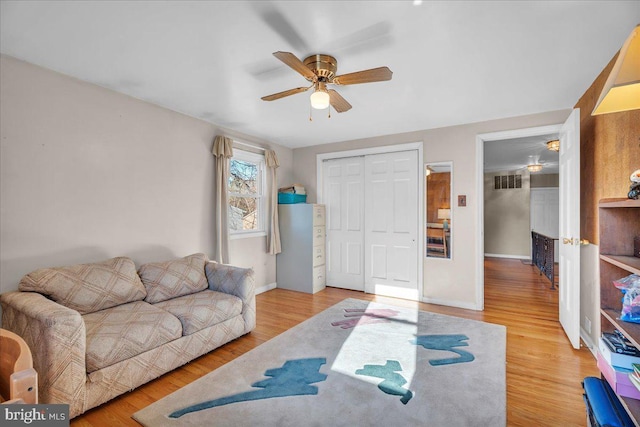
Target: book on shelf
[(295, 188), (625, 361), (634, 376), (618, 343)]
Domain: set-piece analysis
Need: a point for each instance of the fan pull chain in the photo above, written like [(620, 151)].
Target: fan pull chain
[(310, 113), (329, 111)]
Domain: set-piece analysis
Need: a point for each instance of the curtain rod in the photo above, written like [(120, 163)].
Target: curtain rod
[(249, 145)]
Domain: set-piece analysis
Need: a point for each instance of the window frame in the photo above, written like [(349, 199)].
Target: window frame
[(259, 161)]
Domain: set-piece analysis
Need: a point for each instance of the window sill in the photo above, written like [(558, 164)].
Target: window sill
[(247, 235)]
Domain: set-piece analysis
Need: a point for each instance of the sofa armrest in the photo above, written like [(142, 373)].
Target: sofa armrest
[(235, 281), (57, 339)]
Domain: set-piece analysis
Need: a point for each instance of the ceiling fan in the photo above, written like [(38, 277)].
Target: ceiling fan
[(320, 70)]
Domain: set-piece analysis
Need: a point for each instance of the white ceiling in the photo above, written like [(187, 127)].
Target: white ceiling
[(454, 62), (510, 155)]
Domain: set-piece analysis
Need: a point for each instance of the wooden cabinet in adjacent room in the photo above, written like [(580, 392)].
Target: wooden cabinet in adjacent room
[(301, 264)]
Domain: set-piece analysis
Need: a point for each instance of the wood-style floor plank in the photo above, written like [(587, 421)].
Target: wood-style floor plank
[(543, 370)]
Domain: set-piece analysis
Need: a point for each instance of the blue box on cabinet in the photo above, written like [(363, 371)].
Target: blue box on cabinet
[(291, 198)]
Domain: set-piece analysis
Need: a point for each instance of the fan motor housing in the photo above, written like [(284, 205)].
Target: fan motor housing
[(324, 66)]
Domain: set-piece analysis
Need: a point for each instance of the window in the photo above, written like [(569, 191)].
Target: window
[(246, 194)]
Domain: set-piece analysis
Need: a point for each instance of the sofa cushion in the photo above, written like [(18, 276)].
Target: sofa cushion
[(88, 287), (121, 332), (170, 279), (203, 309)]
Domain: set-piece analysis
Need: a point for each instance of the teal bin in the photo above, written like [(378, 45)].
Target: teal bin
[(291, 198)]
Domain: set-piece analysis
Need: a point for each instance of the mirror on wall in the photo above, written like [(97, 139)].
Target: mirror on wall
[(439, 225)]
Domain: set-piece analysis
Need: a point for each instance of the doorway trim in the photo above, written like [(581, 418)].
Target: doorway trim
[(480, 140), (417, 146)]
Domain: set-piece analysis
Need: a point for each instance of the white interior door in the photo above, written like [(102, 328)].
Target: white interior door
[(344, 197), (545, 214), (391, 224), (569, 285)]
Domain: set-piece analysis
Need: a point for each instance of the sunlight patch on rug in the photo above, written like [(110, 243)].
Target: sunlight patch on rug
[(381, 326)]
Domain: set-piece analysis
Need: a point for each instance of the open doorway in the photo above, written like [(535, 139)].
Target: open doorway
[(521, 180), (569, 224), (503, 175)]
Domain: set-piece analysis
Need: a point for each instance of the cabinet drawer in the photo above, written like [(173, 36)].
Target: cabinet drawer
[(318, 215), (318, 277), (318, 255), (318, 236)]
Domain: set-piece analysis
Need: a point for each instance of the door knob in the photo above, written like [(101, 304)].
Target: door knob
[(567, 241)]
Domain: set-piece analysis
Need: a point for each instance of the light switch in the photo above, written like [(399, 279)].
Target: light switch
[(462, 200)]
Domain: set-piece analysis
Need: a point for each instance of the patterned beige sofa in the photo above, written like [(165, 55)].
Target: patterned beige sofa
[(99, 330)]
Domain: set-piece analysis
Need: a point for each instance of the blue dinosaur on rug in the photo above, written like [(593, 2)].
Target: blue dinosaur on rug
[(445, 343), (294, 378), (393, 381)]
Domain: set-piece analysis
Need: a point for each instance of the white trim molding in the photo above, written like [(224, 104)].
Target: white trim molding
[(586, 339), (507, 256), (265, 288), (450, 303)]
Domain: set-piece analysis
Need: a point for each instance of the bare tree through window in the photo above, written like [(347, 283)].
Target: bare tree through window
[(244, 193)]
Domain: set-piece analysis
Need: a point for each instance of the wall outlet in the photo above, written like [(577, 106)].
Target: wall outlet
[(587, 324)]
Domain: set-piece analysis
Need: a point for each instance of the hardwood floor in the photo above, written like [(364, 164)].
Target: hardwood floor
[(543, 370)]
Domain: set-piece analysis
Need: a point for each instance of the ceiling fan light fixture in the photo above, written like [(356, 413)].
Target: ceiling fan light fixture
[(553, 145), (320, 99), (534, 168)]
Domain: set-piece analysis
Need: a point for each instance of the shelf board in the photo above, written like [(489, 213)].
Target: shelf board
[(633, 408), (629, 263), (630, 330), (619, 203)]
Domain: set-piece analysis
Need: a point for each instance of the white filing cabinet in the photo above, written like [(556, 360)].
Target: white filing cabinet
[(301, 265)]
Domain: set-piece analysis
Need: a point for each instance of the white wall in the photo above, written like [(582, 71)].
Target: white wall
[(452, 281), (88, 174)]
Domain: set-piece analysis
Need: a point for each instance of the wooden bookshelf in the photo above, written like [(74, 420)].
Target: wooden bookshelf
[(619, 224)]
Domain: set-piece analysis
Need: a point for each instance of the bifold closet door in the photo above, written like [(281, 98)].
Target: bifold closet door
[(391, 224), (344, 199)]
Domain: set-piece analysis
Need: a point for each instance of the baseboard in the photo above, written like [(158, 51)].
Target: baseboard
[(584, 335), (507, 256), (457, 304), (266, 288)]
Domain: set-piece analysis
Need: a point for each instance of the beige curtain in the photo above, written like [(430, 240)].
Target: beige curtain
[(222, 152), (274, 229)]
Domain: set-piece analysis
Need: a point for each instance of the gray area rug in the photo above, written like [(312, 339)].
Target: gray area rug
[(357, 363)]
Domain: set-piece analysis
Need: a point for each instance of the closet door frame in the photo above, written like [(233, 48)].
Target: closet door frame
[(382, 150)]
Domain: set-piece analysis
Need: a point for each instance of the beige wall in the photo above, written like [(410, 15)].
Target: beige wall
[(88, 174), (507, 226), (546, 180), (445, 281)]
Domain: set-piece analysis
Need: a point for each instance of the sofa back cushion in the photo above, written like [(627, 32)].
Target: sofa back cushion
[(87, 288), (170, 279)]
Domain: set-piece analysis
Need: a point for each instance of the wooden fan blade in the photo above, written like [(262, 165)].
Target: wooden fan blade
[(284, 93), (292, 61), (338, 102), (367, 76)]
